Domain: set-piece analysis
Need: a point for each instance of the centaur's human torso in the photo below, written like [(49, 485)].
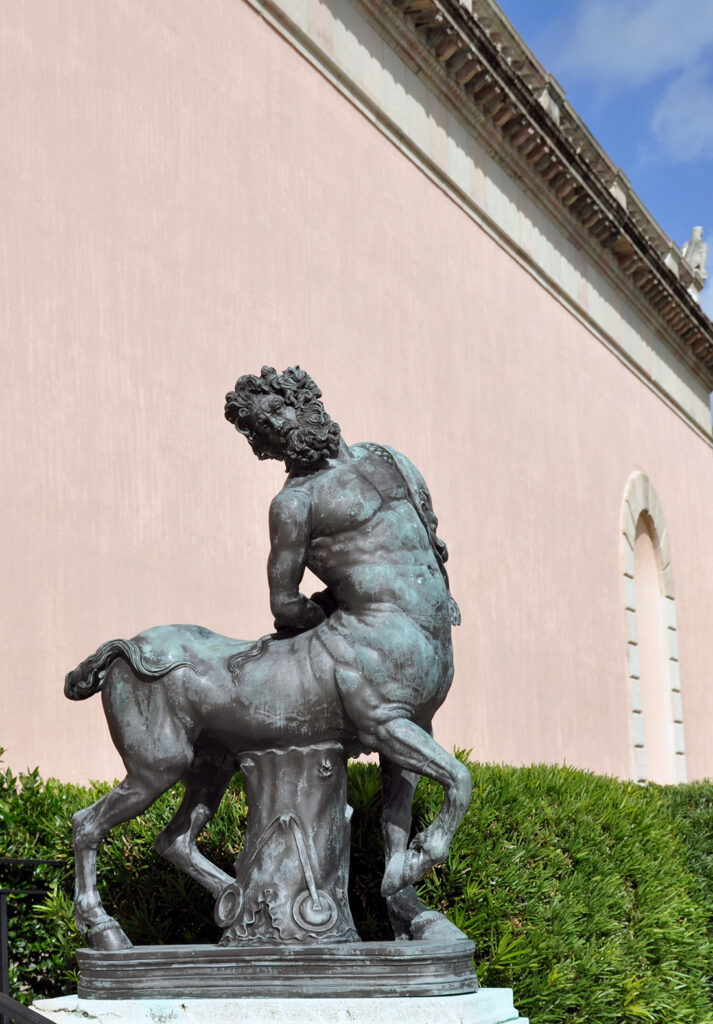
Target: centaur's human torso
[(368, 544), (390, 637)]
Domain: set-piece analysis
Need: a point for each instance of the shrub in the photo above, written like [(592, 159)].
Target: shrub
[(591, 898), (581, 894)]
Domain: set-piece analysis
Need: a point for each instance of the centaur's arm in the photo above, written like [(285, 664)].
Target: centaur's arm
[(290, 527)]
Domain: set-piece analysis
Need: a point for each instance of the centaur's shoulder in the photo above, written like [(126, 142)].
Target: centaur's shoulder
[(389, 454), (292, 502)]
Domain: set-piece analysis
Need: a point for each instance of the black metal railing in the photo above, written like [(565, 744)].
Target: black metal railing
[(17, 1011)]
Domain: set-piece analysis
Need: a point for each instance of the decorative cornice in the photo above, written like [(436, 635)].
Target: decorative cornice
[(473, 58)]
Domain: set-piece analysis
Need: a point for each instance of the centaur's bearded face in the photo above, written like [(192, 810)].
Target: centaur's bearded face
[(294, 429), (296, 436)]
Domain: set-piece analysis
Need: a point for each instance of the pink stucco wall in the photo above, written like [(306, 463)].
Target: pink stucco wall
[(186, 199)]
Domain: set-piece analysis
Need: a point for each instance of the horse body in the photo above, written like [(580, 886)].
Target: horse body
[(226, 693), (183, 704)]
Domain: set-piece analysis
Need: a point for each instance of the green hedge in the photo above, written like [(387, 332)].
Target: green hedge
[(591, 898)]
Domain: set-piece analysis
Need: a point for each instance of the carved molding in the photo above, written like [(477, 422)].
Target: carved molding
[(640, 499), (477, 64)]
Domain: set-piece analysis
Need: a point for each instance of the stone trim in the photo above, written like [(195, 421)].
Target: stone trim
[(475, 61), (640, 499)]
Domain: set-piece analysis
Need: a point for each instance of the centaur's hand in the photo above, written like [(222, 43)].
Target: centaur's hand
[(299, 616), (326, 601), (320, 607)]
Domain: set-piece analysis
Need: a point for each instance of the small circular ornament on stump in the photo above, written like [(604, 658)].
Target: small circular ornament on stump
[(228, 905), (318, 915)]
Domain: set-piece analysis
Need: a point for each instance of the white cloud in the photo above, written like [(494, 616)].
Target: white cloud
[(682, 122), (662, 46), (632, 42)]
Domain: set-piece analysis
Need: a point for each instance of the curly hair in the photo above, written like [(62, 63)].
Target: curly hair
[(313, 437)]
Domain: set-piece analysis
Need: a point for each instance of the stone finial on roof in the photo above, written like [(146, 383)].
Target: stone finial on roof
[(695, 253)]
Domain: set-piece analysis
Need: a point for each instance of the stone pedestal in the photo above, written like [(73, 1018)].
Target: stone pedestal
[(350, 970), (291, 877), (487, 1006)]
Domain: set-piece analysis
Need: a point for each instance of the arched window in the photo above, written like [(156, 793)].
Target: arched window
[(652, 641)]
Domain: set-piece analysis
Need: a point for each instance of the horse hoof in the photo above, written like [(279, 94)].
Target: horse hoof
[(403, 907), (414, 864), (392, 880), (430, 926), (108, 935), (403, 869)]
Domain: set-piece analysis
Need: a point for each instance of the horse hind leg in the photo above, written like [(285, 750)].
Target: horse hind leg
[(90, 825), (205, 788), (411, 747)]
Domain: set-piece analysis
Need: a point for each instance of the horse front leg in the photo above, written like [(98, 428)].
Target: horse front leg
[(398, 787), (89, 826), (412, 748), (410, 918)]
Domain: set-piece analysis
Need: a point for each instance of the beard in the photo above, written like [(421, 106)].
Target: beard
[(314, 437)]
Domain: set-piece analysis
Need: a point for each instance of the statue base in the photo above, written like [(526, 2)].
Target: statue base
[(346, 970), (487, 1006)]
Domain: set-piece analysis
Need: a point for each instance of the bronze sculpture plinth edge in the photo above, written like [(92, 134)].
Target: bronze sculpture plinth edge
[(355, 970)]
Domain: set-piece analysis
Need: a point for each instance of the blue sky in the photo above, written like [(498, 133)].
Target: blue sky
[(640, 75)]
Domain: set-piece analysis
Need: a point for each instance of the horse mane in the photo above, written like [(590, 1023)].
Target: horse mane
[(235, 662)]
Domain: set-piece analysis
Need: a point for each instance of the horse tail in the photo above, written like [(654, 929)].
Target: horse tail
[(88, 677)]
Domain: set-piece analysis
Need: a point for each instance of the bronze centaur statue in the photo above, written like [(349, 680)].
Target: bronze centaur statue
[(365, 663)]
